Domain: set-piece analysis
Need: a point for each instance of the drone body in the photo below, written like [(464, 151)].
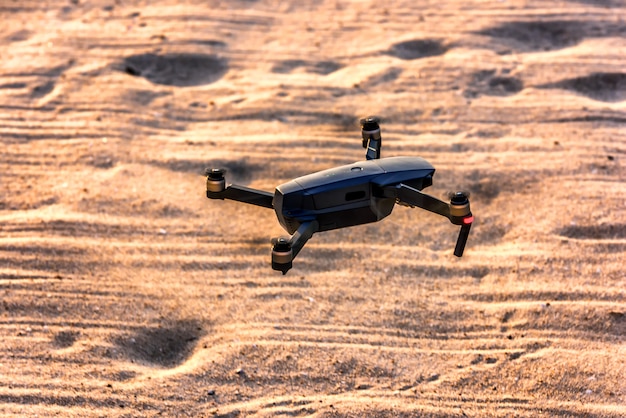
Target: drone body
[(353, 194), (348, 195)]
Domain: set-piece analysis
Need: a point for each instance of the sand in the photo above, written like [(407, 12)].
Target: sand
[(126, 292)]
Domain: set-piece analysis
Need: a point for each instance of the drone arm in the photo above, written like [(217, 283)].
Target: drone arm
[(457, 211), (285, 250), (302, 235), (372, 141), (216, 189), (462, 239), (413, 197), (245, 195)]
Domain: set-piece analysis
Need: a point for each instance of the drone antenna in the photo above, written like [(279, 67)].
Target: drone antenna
[(372, 141)]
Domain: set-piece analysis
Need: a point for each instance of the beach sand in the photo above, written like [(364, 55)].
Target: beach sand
[(126, 292)]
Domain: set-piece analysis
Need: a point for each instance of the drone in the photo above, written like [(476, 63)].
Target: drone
[(349, 195)]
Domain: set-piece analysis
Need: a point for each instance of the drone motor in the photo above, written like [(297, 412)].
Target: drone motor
[(215, 181)]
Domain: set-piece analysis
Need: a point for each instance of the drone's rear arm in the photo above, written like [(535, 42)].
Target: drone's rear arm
[(245, 195), (372, 141), (216, 189)]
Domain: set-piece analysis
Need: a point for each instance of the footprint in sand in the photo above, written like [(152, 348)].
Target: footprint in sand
[(320, 67), (417, 48), (604, 87), (181, 70), (487, 82), (166, 346)]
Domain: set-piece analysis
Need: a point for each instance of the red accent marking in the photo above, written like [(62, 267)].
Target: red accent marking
[(468, 220)]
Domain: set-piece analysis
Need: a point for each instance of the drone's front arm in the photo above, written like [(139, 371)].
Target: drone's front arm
[(457, 211), (216, 189), (286, 249)]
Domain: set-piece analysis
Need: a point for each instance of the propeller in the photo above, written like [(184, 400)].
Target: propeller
[(215, 172), (464, 193)]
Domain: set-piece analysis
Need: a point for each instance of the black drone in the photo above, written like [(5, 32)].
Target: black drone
[(352, 194)]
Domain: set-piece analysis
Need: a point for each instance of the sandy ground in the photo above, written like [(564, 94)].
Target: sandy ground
[(125, 292)]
